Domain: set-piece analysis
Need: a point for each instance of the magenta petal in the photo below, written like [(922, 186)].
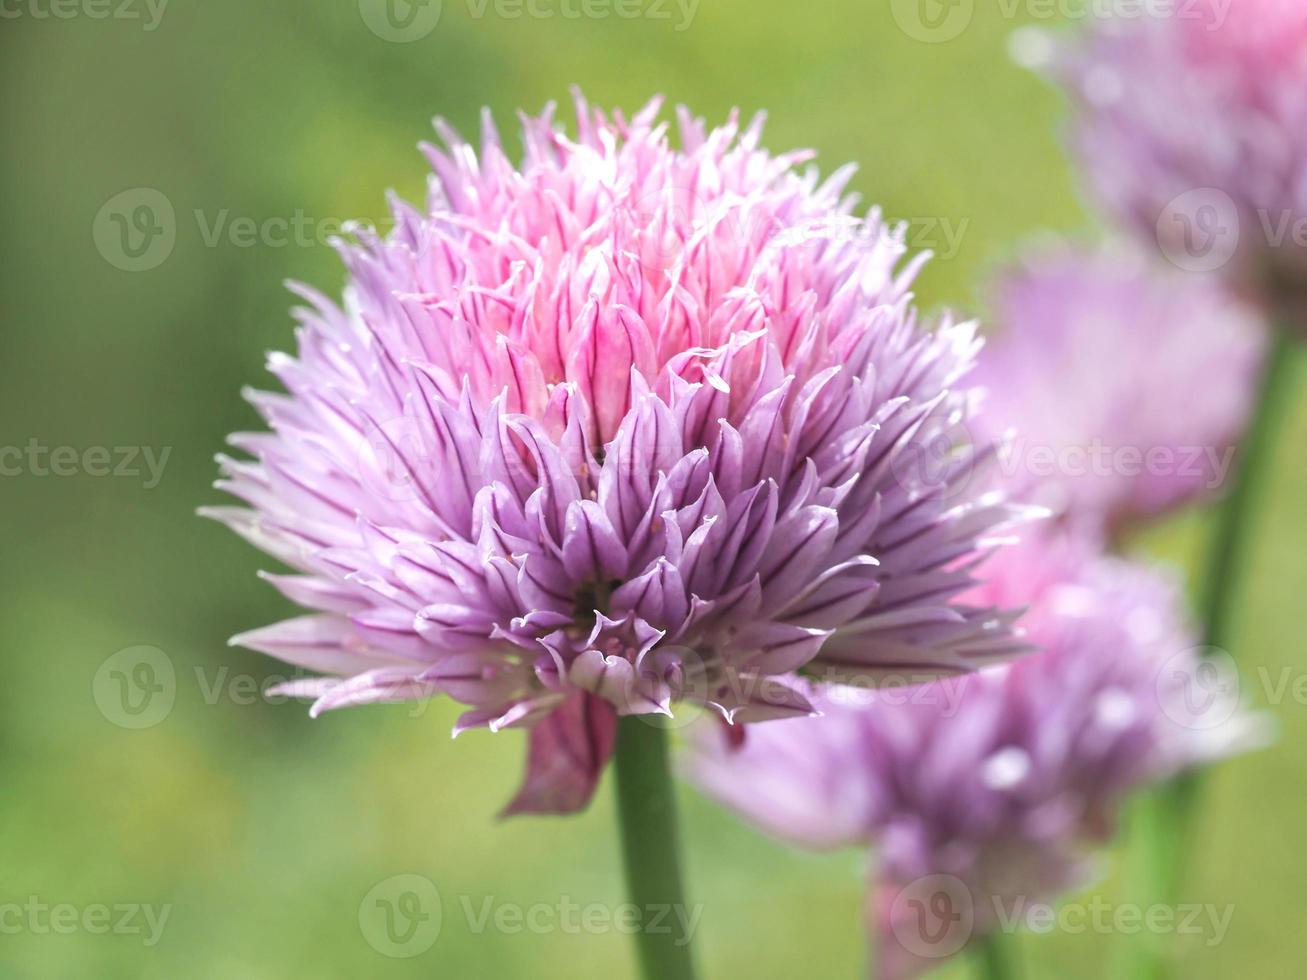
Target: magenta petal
[(388, 685), (753, 698), (322, 643), (592, 551), (781, 647), (566, 753)]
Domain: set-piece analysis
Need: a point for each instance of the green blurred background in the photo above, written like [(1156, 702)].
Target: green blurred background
[(262, 829)]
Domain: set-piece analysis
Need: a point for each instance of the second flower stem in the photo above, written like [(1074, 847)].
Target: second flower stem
[(1169, 824), (996, 957), (1230, 543)]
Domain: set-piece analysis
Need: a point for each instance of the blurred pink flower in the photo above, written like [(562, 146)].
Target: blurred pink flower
[(986, 794), (1124, 388), (1193, 126), (616, 428)]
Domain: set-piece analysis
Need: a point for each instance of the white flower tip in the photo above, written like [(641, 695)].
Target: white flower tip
[(1031, 47), (1006, 768)]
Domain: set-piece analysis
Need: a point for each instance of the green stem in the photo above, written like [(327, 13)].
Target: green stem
[(996, 957), (1230, 543), (1227, 561), (1166, 822), (647, 814)]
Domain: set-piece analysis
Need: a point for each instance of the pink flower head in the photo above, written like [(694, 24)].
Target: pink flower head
[(615, 428), (986, 794), (1124, 388), (1193, 126)]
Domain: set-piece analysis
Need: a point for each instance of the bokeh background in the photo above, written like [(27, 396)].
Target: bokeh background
[(265, 831)]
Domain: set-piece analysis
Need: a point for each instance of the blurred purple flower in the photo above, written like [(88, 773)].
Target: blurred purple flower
[(1124, 388), (622, 427), (987, 793), (1193, 126)]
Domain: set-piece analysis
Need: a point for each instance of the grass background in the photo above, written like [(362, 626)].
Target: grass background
[(265, 830)]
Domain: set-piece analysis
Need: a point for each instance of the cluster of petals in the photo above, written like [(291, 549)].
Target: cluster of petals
[(619, 426), (1121, 388), (1192, 125), (986, 795)]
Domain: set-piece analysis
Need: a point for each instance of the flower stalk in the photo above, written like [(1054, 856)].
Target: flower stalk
[(1167, 821), (1230, 542), (646, 810), (996, 957)]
